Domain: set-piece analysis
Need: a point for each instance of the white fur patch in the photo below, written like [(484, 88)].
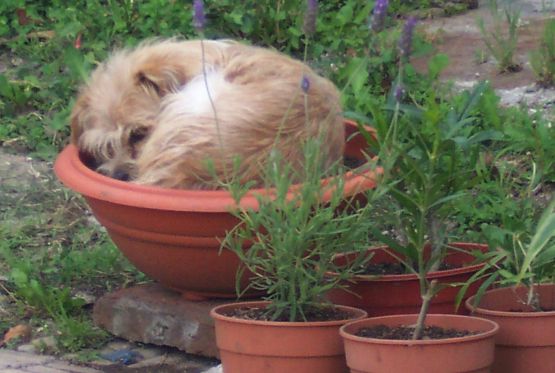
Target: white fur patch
[(194, 97)]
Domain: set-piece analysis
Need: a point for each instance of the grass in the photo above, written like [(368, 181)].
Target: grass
[(54, 256)]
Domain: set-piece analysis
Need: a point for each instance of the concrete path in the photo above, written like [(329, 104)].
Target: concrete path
[(22, 362)]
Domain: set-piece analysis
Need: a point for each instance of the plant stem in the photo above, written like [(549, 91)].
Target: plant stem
[(426, 299)]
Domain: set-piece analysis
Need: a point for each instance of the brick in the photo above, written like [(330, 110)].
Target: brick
[(150, 313)]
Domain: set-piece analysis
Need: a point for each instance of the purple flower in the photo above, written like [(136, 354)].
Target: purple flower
[(399, 92), (405, 42), (377, 21), (305, 84), (310, 15), (199, 20)]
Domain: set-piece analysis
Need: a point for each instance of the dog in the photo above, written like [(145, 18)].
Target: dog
[(155, 114)]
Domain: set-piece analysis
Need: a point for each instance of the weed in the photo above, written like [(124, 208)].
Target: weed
[(50, 251), (502, 43), (543, 59)]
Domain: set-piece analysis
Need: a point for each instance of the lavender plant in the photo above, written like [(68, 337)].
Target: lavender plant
[(379, 14)]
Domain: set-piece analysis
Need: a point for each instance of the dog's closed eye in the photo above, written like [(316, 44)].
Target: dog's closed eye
[(137, 135)]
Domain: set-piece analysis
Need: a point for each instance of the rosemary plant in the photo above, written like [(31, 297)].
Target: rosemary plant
[(295, 233)]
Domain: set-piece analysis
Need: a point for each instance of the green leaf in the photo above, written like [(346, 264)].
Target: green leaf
[(436, 65)]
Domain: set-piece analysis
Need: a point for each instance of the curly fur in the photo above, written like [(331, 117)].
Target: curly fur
[(146, 115)]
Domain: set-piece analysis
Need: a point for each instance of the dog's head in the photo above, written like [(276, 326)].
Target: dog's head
[(116, 110)]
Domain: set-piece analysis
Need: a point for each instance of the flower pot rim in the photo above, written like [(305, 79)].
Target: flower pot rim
[(520, 314), (408, 342), (412, 276), (74, 174), (216, 314)]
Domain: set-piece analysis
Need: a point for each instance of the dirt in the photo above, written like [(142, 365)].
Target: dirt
[(405, 332), (315, 314), (459, 38), (381, 269)]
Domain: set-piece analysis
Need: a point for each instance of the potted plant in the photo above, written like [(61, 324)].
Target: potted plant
[(429, 153), (429, 177), (293, 238), (174, 236), (523, 307), (428, 150)]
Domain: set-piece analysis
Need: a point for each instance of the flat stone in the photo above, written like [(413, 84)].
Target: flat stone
[(29, 348), (45, 369), (150, 313), (70, 368), (150, 352), (16, 359), (48, 342)]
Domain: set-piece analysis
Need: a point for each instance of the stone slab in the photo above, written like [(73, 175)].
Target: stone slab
[(150, 313), (16, 359), (22, 362)]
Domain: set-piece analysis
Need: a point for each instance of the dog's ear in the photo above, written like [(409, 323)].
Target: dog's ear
[(75, 119), (160, 77)]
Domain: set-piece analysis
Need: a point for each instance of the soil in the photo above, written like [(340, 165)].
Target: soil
[(405, 332), (352, 162), (541, 309), (459, 37), (313, 315), (381, 269)]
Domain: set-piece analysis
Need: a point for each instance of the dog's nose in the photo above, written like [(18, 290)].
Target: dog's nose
[(120, 175)]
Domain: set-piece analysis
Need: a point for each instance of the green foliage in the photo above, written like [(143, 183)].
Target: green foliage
[(520, 257), (50, 48), (534, 135), (49, 253), (430, 151), (434, 148), (295, 236), (543, 59), (502, 43)]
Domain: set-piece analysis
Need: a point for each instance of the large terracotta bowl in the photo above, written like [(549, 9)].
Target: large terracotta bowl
[(174, 236)]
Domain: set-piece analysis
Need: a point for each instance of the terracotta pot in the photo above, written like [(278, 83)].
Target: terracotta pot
[(400, 294), (250, 346), (526, 340), (174, 236), (454, 355)]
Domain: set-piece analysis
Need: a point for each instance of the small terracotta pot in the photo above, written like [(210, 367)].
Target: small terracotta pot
[(454, 355), (400, 294), (174, 236), (526, 339), (250, 346)]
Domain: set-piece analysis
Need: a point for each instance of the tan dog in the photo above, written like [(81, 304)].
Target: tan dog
[(155, 114)]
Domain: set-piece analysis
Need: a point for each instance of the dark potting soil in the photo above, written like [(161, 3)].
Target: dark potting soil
[(316, 314), (405, 332), (541, 309), (376, 269), (352, 162)]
